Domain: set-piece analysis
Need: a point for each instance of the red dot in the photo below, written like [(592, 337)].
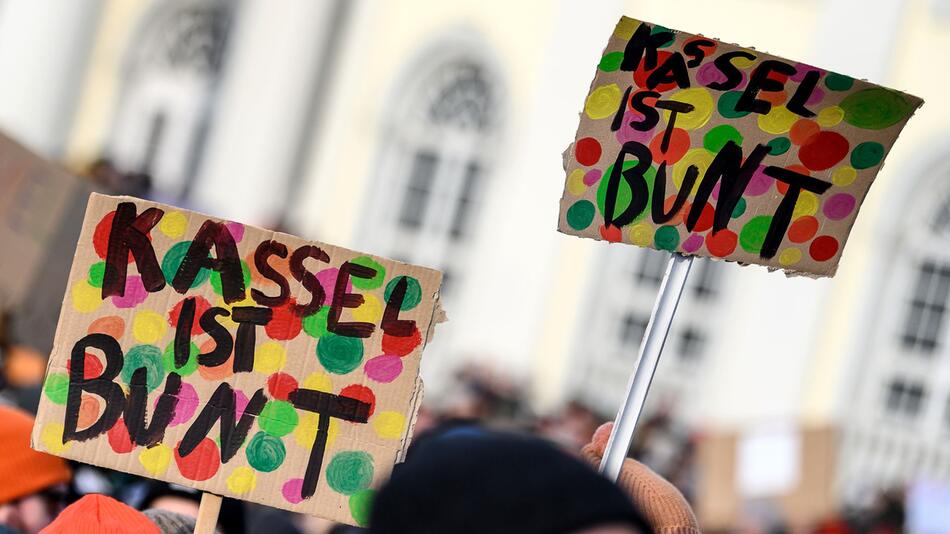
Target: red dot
[(91, 368), (823, 150), (823, 248), (706, 218), (641, 74), (721, 243), (281, 385), (800, 169), (679, 144), (202, 463), (201, 305), (803, 229), (611, 233), (803, 130), (119, 438), (100, 237), (706, 46), (361, 393), (587, 151), (401, 346), (284, 323)]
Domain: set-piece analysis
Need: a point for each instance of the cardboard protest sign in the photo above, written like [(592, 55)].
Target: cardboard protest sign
[(239, 361), (695, 146)]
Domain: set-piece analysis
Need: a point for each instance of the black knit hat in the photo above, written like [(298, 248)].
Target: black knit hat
[(468, 480)]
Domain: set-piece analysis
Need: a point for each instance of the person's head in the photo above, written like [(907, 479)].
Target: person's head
[(99, 514), (172, 522), (185, 501), (469, 480), (32, 484)]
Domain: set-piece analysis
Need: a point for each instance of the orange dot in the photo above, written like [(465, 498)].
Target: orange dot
[(678, 145), (776, 98), (802, 130), (668, 205), (800, 169), (113, 325), (88, 411), (218, 372), (803, 229)]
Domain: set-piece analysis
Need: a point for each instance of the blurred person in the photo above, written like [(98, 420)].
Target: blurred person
[(471, 480), (99, 514), (661, 503), (185, 501), (33, 485), (171, 522)]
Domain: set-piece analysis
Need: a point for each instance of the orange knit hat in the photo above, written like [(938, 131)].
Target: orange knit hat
[(24, 471), (660, 502), (98, 514)]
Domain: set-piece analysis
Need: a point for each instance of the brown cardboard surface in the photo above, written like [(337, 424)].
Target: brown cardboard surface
[(799, 147), (370, 384), (35, 198)]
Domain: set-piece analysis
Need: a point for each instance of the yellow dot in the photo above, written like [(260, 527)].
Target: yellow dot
[(807, 205), (830, 116), (389, 425), (318, 381), (603, 101), (778, 120), (844, 175), (148, 327), (700, 157), (743, 62), (790, 256), (85, 297), (269, 357), (173, 224), (625, 28), (242, 480), (370, 311), (641, 234), (226, 320), (575, 183), (306, 430), (52, 438), (702, 104), (155, 459)]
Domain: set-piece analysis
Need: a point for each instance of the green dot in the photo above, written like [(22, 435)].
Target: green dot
[(581, 214), (368, 283), (727, 105), (717, 138), (96, 272), (867, 154), (168, 359), (265, 452), (56, 387), (350, 471), (779, 146), (216, 278), (315, 324), (666, 238), (624, 193), (278, 418), (149, 357), (413, 292), (661, 29), (172, 261), (739, 209), (875, 108), (361, 503), (340, 354), (753, 233), (838, 82), (611, 62)]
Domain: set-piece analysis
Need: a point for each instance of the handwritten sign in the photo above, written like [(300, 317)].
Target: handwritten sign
[(235, 360), (691, 145)]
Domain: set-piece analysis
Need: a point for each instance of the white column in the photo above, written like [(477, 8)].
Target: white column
[(44, 48)]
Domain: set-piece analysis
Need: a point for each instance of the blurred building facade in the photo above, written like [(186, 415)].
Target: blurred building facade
[(431, 132)]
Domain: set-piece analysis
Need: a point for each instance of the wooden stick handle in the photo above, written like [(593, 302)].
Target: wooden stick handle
[(208, 513)]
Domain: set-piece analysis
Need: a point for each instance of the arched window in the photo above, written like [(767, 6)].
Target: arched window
[(434, 165), (168, 79)]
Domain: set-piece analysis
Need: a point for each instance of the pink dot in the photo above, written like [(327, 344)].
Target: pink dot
[(693, 243), (187, 404), (839, 206), (801, 69), (236, 229), (327, 279), (710, 73), (816, 96), (292, 490), (592, 177), (760, 183), (628, 133), (240, 402), (384, 368), (135, 293)]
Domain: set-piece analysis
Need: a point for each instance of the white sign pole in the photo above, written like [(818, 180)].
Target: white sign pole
[(650, 349)]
